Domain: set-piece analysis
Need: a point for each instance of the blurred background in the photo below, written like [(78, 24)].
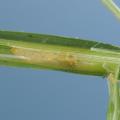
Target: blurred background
[(27, 94)]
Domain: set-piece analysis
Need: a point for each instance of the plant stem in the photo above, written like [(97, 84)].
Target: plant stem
[(113, 7), (57, 53), (114, 95)]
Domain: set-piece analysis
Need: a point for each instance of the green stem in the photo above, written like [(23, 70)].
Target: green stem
[(57, 53), (113, 7), (114, 95)]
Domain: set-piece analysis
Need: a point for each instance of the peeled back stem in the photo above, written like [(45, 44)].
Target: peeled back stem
[(66, 54), (114, 94)]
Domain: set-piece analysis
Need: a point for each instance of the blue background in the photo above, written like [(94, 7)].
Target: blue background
[(27, 94)]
